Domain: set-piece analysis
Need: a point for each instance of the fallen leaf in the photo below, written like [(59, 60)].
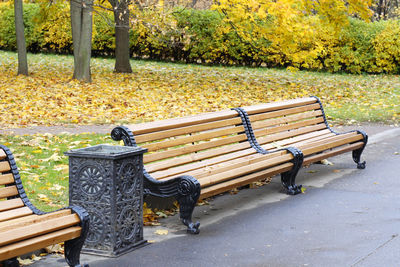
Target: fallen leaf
[(326, 162), (161, 232)]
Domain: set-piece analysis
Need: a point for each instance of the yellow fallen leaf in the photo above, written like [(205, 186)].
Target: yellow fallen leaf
[(161, 232), (24, 262)]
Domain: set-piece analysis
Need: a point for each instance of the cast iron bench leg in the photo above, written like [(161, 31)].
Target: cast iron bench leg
[(288, 178), (188, 194), (357, 153), (72, 248)]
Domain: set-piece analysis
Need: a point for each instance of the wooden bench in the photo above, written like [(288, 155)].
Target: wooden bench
[(212, 152), (24, 228), (301, 123)]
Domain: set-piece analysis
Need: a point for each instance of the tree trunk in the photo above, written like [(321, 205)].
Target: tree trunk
[(21, 44), (121, 18), (81, 25)]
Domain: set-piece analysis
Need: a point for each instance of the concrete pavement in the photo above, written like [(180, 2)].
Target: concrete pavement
[(346, 217)]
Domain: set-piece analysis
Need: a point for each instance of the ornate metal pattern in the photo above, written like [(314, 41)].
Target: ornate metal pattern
[(92, 179), (96, 231), (127, 222), (115, 207), (128, 172), (72, 247), (186, 189)]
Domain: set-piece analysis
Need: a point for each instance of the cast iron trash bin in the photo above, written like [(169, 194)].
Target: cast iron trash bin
[(108, 182)]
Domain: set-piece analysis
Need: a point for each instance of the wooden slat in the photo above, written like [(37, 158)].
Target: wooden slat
[(8, 191), (16, 220), (11, 204), (331, 153), (6, 179), (201, 164), (279, 113), (245, 180), (296, 142), (286, 119), (221, 177), (194, 138), (326, 140), (26, 246), (36, 229), (149, 127), (314, 149), (279, 105), (2, 154), (15, 213), (235, 164), (4, 166), (33, 219), (186, 130), (194, 157), (281, 128), (308, 137), (194, 148), (228, 164), (289, 133)]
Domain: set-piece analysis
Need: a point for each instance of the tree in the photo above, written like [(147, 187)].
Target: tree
[(21, 44), (121, 19), (385, 9), (81, 25)]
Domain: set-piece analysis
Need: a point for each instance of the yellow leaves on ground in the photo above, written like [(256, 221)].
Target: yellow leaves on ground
[(157, 91), (161, 232)]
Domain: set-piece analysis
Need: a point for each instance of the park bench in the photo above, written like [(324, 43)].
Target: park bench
[(301, 123), (200, 156), (24, 228), (212, 152)]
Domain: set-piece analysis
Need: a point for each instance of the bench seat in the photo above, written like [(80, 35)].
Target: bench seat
[(301, 123), (24, 229), (200, 156)]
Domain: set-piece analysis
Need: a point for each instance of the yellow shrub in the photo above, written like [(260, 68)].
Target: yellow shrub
[(55, 24), (387, 48)]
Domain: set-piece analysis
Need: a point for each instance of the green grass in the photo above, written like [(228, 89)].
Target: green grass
[(43, 166)]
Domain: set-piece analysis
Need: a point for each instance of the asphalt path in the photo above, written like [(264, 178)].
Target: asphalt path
[(346, 217)]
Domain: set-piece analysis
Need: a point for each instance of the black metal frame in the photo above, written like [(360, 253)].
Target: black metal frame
[(185, 188), (356, 154), (287, 178), (72, 247)]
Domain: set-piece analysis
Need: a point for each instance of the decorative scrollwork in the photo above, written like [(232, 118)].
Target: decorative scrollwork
[(92, 180), (123, 133), (128, 178), (186, 187), (129, 223), (96, 230)]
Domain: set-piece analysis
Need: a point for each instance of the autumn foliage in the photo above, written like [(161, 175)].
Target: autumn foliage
[(333, 35)]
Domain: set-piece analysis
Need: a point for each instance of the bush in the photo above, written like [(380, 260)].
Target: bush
[(54, 24), (190, 35), (8, 39)]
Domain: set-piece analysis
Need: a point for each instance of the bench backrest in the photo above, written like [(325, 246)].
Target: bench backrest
[(279, 121), (11, 205), (179, 141)]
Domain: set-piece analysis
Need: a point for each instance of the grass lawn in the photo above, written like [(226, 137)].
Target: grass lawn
[(156, 91)]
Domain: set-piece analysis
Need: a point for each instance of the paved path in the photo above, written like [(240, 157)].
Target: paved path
[(347, 217)]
